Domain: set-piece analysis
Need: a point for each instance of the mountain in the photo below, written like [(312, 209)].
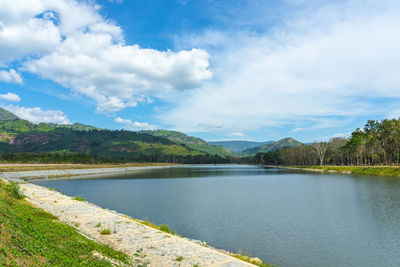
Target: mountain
[(5, 115), (238, 146), (286, 142), (17, 135), (192, 142)]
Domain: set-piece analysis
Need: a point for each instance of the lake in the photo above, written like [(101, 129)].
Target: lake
[(288, 217)]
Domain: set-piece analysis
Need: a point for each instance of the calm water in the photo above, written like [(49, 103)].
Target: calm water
[(288, 217)]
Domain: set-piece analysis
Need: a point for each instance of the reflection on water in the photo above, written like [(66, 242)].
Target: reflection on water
[(288, 217)]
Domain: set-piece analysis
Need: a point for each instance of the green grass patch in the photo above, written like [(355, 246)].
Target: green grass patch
[(78, 198), (392, 171), (32, 237), (165, 228), (13, 189), (249, 259), (162, 227), (105, 231), (180, 258)]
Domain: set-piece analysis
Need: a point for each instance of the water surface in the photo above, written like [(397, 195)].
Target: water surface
[(292, 218)]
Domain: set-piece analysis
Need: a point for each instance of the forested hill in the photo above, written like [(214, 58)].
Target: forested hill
[(18, 137), (192, 142), (5, 115), (239, 146), (283, 143)]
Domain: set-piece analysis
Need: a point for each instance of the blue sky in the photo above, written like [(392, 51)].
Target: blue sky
[(220, 70)]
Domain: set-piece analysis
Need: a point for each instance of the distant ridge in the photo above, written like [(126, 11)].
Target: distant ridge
[(192, 142), (285, 142), (238, 146)]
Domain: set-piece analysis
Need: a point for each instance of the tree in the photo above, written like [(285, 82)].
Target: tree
[(319, 149)]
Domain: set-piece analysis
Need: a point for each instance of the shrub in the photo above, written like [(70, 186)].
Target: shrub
[(13, 189), (106, 231), (180, 258), (78, 198), (165, 228)]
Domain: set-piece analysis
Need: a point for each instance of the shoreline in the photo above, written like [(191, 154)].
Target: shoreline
[(308, 169), (45, 174), (126, 234), (377, 171)]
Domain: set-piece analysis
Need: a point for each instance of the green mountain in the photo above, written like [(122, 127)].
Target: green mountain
[(192, 142), (239, 146), (21, 136), (5, 115), (286, 142)]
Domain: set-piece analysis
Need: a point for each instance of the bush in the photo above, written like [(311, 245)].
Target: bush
[(165, 228), (78, 198), (105, 231), (13, 189)]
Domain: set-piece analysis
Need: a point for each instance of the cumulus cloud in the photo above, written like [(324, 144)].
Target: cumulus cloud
[(330, 62), (37, 115), (87, 53), (135, 125), (10, 76), (118, 76), (10, 97)]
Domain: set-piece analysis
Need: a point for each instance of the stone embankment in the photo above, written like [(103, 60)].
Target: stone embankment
[(124, 233), (29, 175)]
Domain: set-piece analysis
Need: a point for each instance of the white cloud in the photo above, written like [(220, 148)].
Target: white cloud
[(236, 134), (331, 62), (337, 135), (10, 97), (70, 43), (37, 115), (10, 76), (135, 125)]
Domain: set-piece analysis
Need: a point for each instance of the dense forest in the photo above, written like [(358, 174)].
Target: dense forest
[(23, 141), (378, 143)]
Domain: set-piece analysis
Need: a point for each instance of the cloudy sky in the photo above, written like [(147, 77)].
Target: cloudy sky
[(220, 70)]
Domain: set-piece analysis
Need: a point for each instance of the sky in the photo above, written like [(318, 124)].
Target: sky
[(217, 69)]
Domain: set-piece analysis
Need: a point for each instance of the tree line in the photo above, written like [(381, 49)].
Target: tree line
[(85, 158), (378, 143)]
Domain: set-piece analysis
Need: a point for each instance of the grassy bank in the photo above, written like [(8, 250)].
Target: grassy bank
[(44, 167), (31, 237), (393, 171)]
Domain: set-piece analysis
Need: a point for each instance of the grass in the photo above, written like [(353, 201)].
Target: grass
[(13, 189), (165, 228), (251, 260), (32, 237), (78, 198), (140, 259), (180, 258), (392, 171), (105, 231)]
